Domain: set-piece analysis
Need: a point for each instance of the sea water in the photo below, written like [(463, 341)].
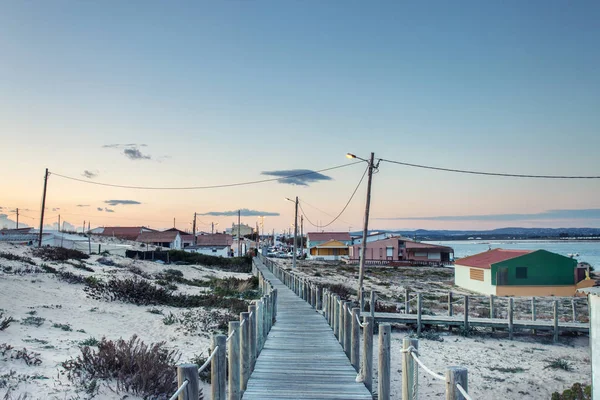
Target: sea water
[(589, 251)]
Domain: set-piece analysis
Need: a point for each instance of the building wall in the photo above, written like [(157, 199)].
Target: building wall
[(378, 250), (568, 290), (220, 251), (543, 268), (462, 278)]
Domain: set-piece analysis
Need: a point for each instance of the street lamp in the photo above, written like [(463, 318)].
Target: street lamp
[(295, 229), (363, 250), (212, 231)]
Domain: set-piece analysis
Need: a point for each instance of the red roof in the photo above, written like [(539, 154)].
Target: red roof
[(217, 239), (157, 237), (327, 236), (487, 258), (123, 232)]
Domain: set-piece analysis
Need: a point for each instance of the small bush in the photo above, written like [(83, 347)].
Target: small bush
[(512, 370), (64, 327), (15, 257), (30, 357), (155, 311), (170, 319), (91, 341), (5, 322), (428, 335), (48, 269), (105, 261), (33, 321), (343, 291), (577, 392), (199, 360), (144, 370), (559, 363), (59, 254)]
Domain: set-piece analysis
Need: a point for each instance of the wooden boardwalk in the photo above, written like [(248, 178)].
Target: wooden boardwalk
[(301, 358), (458, 320)]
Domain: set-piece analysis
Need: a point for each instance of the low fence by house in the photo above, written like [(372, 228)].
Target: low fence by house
[(232, 357), (398, 263), (345, 321)]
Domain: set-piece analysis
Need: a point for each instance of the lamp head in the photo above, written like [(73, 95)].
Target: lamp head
[(350, 155)]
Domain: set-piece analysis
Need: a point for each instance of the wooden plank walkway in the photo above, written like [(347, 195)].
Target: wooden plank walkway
[(301, 358), (458, 320)]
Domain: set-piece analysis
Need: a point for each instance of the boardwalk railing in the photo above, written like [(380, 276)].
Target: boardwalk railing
[(232, 357), (345, 321)]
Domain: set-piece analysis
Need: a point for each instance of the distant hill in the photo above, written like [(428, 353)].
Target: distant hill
[(500, 233)]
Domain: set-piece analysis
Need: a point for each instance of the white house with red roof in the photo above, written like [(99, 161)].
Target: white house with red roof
[(332, 245)]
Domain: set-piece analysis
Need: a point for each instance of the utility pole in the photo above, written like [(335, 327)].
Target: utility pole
[(302, 236), (363, 250), (17, 218), (83, 229), (59, 222), (173, 222), (295, 233), (43, 207), (239, 231), (89, 223), (212, 229), (194, 229)]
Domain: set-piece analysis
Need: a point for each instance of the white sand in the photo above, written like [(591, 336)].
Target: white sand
[(63, 303)]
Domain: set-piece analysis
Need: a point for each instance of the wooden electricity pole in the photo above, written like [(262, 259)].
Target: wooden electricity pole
[(59, 222), (295, 234), (194, 229), (239, 231), (43, 207), (17, 218), (363, 250), (301, 236)]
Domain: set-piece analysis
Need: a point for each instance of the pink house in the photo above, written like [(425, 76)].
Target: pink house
[(401, 250)]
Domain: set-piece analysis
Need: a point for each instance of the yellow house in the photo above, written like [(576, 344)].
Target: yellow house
[(331, 250)]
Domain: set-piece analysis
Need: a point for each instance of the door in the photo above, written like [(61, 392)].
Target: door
[(502, 276)]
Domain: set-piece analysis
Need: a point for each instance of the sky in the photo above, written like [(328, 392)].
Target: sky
[(209, 93)]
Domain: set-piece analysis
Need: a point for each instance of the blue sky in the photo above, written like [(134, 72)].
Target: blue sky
[(221, 91)]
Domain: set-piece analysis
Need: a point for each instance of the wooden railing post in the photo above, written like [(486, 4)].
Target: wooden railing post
[(373, 303), (362, 299), (252, 329), (319, 298), (274, 306), (533, 313), (367, 354), (348, 330), (492, 309), (408, 368), (510, 318), (259, 325), (188, 372), (244, 349), (555, 321), (218, 368), (406, 302), (234, 369), (450, 308), (419, 310), (456, 375), (342, 323), (336, 316), (466, 323), (574, 309), (355, 345), (383, 384)]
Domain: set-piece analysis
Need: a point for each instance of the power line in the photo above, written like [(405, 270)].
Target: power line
[(205, 187), (462, 171), (343, 209)]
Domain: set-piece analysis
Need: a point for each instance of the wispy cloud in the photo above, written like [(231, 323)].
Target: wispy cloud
[(83, 205), (121, 202), (89, 174), (136, 154), (299, 177), (592, 213), (56, 209), (123, 146), (100, 209), (109, 210), (8, 223), (244, 212)]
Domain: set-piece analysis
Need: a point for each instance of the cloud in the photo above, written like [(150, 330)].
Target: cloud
[(121, 202), (100, 209), (592, 213), (65, 226), (123, 146), (135, 154), (300, 177), (109, 210), (8, 223), (244, 212), (90, 174), (83, 205), (56, 209)]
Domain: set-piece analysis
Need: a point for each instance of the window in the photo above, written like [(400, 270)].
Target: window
[(380, 253), (521, 272), (214, 250), (476, 274)]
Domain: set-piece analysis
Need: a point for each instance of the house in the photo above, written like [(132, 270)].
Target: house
[(187, 239), (218, 244), (401, 250), (315, 238), (329, 251), (244, 230), (168, 239), (372, 237), (520, 273), (122, 232)]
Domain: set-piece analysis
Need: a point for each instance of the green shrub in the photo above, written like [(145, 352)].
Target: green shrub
[(576, 392), (559, 363), (59, 254), (33, 321), (5, 322), (64, 327), (15, 257), (234, 264), (170, 319), (145, 370), (91, 341)]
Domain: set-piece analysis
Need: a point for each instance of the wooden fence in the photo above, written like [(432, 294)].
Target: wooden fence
[(345, 321), (232, 357)]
